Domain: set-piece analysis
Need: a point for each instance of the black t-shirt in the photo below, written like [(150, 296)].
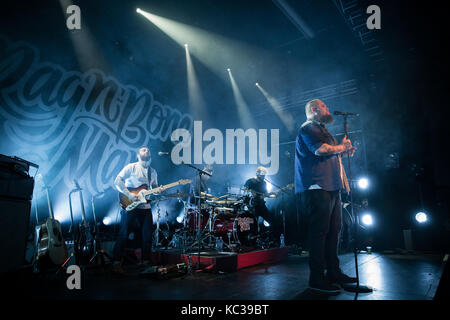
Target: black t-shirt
[(257, 185)]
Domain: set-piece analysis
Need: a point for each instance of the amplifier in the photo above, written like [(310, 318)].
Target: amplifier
[(14, 217), (15, 181)]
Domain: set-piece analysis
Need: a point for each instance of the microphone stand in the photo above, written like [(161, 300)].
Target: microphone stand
[(200, 173), (349, 287), (100, 253)]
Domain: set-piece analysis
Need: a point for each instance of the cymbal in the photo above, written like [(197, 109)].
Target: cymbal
[(179, 195), (223, 209), (204, 194), (225, 202)]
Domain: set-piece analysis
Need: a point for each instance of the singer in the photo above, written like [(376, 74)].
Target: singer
[(319, 178)]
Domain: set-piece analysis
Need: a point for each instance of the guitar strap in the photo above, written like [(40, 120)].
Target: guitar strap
[(149, 177)]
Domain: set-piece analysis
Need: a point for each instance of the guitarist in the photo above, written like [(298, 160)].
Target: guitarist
[(258, 188), (135, 175)]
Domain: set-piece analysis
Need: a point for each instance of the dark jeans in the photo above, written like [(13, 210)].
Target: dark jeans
[(324, 217), (260, 210), (144, 219)]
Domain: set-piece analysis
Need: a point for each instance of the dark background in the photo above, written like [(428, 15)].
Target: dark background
[(400, 92)]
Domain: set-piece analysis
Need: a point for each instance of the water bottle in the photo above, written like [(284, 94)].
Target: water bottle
[(219, 244), (282, 241)]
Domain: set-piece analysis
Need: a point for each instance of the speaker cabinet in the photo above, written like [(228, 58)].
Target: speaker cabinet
[(14, 217)]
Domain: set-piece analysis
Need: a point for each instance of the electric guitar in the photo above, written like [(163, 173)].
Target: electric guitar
[(273, 194), (84, 242), (141, 192), (51, 244)]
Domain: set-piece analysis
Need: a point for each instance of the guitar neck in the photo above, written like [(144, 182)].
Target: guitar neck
[(167, 186), (83, 213), (49, 202)]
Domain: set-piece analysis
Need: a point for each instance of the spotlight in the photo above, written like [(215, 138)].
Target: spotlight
[(107, 221), (180, 218), (185, 45), (266, 224), (421, 217), (228, 69), (138, 10), (257, 84), (367, 219), (363, 183)]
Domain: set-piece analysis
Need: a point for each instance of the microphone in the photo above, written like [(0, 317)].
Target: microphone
[(340, 113), (162, 153)]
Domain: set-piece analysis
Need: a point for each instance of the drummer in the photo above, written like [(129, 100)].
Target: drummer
[(201, 188), (258, 188)]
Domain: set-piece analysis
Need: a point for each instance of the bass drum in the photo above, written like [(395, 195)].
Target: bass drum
[(240, 228)]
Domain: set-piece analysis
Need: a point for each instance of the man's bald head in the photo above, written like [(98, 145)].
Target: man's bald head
[(317, 110)]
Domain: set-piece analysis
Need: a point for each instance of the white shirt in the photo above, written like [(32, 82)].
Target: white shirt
[(135, 175)]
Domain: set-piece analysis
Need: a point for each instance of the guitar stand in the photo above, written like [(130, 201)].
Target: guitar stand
[(100, 255), (65, 263)]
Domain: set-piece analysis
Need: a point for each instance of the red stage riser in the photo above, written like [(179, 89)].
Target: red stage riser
[(225, 263)]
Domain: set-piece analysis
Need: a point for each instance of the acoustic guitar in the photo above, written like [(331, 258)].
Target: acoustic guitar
[(51, 245), (141, 192)]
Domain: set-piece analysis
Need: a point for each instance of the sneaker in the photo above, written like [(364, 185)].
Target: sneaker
[(341, 279), (325, 287), (117, 269)]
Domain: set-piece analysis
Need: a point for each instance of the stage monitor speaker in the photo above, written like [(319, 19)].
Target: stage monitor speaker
[(14, 220)]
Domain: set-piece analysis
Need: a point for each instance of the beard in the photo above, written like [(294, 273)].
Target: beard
[(326, 119), (146, 160)]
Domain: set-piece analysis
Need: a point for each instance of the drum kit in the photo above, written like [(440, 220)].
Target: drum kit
[(223, 223)]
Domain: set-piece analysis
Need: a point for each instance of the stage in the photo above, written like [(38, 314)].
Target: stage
[(393, 276)]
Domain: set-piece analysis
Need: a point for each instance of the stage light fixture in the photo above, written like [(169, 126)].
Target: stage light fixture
[(367, 219), (257, 84), (180, 218), (229, 70), (138, 10), (185, 45), (266, 224), (107, 221), (421, 217), (363, 183)]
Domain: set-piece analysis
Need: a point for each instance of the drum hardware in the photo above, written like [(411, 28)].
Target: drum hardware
[(210, 235), (229, 239), (164, 233), (179, 195), (100, 254), (200, 173)]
